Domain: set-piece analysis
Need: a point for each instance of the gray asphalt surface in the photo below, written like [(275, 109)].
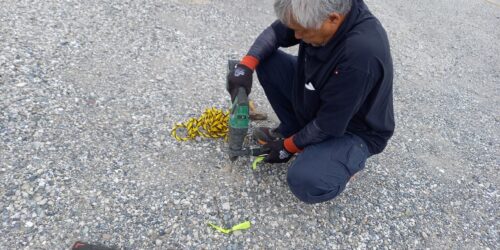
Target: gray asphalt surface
[(90, 89)]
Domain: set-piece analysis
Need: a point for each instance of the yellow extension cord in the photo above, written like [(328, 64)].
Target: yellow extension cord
[(213, 123)]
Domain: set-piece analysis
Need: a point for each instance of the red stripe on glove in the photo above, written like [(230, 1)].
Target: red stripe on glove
[(250, 61), (290, 145)]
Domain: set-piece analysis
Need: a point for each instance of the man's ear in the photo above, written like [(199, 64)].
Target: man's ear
[(334, 18)]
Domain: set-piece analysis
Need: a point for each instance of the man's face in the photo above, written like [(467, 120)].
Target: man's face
[(317, 37)]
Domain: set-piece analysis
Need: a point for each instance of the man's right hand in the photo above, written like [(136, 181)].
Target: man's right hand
[(239, 76)]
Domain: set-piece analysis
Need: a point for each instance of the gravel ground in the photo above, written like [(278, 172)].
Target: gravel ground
[(90, 89)]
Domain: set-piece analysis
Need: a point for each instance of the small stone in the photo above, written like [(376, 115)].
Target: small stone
[(21, 84), (226, 206), (106, 237), (158, 242), (424, 235), (29, 224), (26, 187)]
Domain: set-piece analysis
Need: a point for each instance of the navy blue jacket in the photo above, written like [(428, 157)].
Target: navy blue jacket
[(343, 86)]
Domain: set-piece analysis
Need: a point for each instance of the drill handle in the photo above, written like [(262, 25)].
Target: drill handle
[(242, 97)]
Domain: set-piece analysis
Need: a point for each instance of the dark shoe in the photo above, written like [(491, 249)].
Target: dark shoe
[(263, 135)]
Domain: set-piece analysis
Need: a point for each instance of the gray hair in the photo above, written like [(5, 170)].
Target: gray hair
[(309, 13)]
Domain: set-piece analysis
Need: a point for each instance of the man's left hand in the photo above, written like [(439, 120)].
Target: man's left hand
[(278, 153)]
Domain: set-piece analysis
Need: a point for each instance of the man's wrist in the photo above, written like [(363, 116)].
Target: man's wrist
[(290, 145), (250, 61)]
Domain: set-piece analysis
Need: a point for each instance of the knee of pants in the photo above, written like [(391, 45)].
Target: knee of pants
[(278, 67), (311, 187), (271, 61), (263, 70)]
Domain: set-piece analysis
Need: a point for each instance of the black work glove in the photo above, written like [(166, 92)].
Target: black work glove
[(240, 76), (278, 153)]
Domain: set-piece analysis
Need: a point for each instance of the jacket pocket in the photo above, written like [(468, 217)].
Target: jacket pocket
[(311, 100)]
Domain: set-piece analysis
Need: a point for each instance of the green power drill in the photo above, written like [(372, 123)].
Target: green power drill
[(239, 121)]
